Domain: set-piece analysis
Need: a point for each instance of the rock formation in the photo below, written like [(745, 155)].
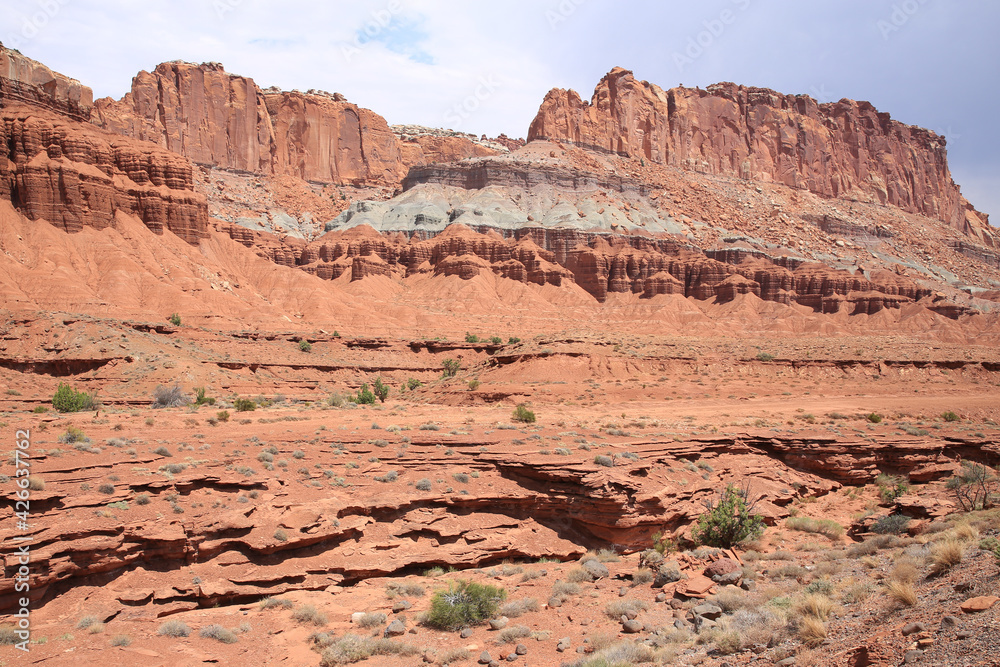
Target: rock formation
[(844, 149), (23, 80)]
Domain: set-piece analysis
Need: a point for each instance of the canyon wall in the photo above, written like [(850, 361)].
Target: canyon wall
[(26, 81), (844, 149)]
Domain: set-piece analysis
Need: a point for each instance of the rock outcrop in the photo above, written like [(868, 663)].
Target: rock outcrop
[(844, 149), (26, 81), (73, 174)]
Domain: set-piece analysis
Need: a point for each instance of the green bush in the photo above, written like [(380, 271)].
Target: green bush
[(729, 520), (764, 356), (305, 346), (950, 417), (523, 414), (464, 603), (513, 340), (413, 383), (244, 405), (175, 319), (496, 340), (200, 398), (39, 409), (474, 385), (365, 395), (471, 338), (381, 391), (874, 418), (66, 399), (451, 367)]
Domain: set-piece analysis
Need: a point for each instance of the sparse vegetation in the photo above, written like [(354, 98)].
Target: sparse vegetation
[(305, 346), (218, 633), (464, 603), (874, 418), (523, 414), (174, 628), (175, 319), (729, 520), (891, 487), (945, 555), (372, 620), (950, 416), (66, 399), (244, 404), (451, 367), (826, 527), (307, 613), (894, 524), (169, 397), (381, 391), (365, 395), (976, 486)]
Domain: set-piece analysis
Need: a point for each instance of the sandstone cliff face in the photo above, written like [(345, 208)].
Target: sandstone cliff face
[(23, 80), (72, 174), (224, 120), (843, 149)]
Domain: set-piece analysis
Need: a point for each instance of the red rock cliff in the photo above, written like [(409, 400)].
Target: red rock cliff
[(23, 80), (224, 120), (843, 149)]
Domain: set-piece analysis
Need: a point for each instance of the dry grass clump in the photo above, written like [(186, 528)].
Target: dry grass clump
[(826, 527), (404, 590), (732, 599), (620, 653), (577, 575), (855, 591), (516, 608), (454, 655), (814, 606), (308, 614), (812, 631), (372, 620), (513, 633), (945, 555), (758, 626), (901, 591), (351, 648), (561, 590), (642, 577), (905, 570)]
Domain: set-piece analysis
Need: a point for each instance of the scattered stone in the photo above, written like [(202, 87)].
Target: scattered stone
[(596, 569), (661, 597), (484, 658), (402, 605), (521, 649), (963, 634), (395, 629), (950, 621), (708, 610), (679, 624), (465, 633), (632, 626), (563, 644), (925, 643), (787, 662), (912, 656), (357, 616), (554, 602), (722, 567), (511, 657), (748, 584), (499, 623), (622, 592), (982, 603), (913, 628)]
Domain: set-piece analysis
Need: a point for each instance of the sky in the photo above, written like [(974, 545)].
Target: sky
[(485, 67)]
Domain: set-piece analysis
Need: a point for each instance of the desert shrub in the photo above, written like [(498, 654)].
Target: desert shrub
[(121, 640), (450, 367), (945, 555), (36, 483), (390, 476), (423, 484), (765, 356), (365, 395), (142, 499), (305, 346), (814, 605), (218, 633), (200, 398), (496, 340), (891, 487), (894, 524), (464, 603), (86, 622), (874, 418), (642, 576), (826, 527), (351, 648), (605, 461), (372, 620), (169, 397), (73, 435), (513, 340), (564, 589), (975, 486), (405, 589), (729, 520), (39, 409), (474, 384), (244, 404), (413, 383), (308, 614), (905, 569), (174, 628), (273, 603), (523, 414), (471, 338), (174, 319), (812, 631), (618, 608), (454, 655), (901, 591), (381, 391), (66, 399), (516, 608), (107, 489), (950, 416)]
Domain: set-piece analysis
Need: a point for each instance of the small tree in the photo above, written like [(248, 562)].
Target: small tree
[(976, 486), (451, 367), (66, 399), (729, 520), (381, 391), (365, 395), (496, 340), (413, 383), (200, 398), (471, 338), (175, 319)]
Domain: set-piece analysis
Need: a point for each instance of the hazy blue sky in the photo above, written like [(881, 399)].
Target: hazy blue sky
[(484, 67)]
